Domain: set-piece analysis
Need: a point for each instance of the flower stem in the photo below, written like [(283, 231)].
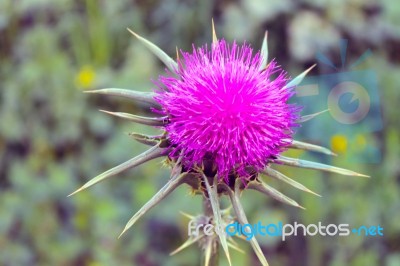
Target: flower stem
[(214, 260)]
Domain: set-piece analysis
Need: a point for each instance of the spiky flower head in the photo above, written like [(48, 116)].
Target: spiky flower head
[(226, 120), (224, 105)]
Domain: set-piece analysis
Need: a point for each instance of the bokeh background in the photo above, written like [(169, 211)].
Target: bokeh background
[(53, 139)]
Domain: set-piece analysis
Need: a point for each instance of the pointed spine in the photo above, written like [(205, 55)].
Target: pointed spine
[(147, 97), (305, 118), (279, 176), (316, 166), (191, 217), (150, 121), (145, 139), (213, 198), (190, 241), (260, 186), (168, 61), (264, 52), (297, 80), (207, 253), (241, 216), (235, 247), (171, 185), (148, 155), (214, 34), (310, 147)]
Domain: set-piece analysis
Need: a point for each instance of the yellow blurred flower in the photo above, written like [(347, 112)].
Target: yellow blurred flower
[(86, 77), (339, 143)]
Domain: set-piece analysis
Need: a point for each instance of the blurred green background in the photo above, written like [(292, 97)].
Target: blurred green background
[(53, 139)]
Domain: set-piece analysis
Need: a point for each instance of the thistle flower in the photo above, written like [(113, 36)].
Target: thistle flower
[(226, 119), (223, 105)]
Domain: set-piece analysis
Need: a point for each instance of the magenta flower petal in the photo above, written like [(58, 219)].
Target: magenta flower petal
[(220, 104)]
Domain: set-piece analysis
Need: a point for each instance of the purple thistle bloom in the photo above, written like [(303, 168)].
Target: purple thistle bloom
[(226, 119), (221, 105)]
